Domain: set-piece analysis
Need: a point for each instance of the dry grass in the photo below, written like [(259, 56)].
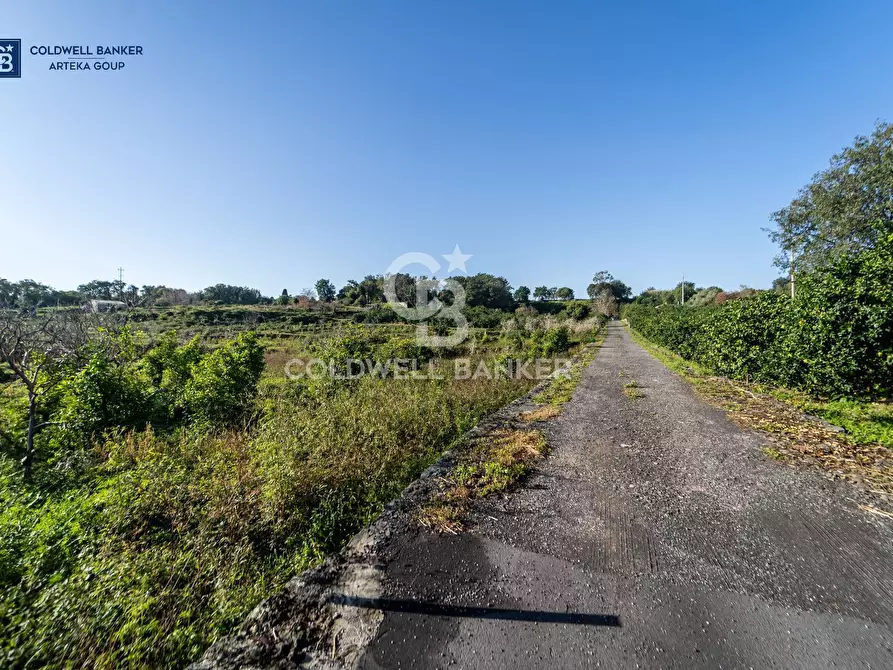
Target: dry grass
[(543, 413), (795, 436), (495, 462), (492, 464), (798, 437)]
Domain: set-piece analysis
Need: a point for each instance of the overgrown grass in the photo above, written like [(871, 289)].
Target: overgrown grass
[(864, 422), (561, 389), (492, 464), (140, 548), (498, 460), (167, 541)]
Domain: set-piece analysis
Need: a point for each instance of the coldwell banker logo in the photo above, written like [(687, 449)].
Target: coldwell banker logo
[(10, 58), (79, 58)]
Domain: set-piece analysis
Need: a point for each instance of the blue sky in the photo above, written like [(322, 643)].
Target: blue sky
[(274, 143)]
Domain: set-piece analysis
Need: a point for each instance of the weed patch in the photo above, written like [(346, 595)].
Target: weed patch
[(492, 464), (560, 391), (633, 390)]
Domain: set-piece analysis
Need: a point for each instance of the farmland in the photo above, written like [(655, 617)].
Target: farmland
[(181, 476)]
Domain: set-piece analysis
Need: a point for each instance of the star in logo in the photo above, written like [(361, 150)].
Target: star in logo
[(457, 260)]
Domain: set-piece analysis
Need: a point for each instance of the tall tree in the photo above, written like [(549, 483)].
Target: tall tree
[(604, 282), (486, 290), (522, 294), (844, 208), (325, 290), (231, 295)]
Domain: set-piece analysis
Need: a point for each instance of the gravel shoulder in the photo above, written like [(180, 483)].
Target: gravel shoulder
[(655, 533)]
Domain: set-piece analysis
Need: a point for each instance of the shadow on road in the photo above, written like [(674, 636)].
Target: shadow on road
[(433, 609)]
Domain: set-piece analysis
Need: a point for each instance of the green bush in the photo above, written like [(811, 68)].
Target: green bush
[(376, 315), (223, 383), (548, 342), (577, 310), (405, 348), (834, 339), (484, 317)]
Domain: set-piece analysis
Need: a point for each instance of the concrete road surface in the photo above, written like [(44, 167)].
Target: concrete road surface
[(656, 534)]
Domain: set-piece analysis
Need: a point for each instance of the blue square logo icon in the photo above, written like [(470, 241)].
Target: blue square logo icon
[(10, 58)]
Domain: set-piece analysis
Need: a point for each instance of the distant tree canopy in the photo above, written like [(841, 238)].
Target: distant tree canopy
[(487, 290), (545, 292), (27, 294), (565, 293), (845, 208), (694, 296), (522, 294), (162, 296), (99, 289), (603, 282), (226, 294), (366, 292), (325, 290)]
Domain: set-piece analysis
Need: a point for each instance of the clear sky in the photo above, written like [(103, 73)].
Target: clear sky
[(273, 143)]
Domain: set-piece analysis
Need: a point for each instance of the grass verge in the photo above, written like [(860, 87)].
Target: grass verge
[(561, 389), (491, 464), (495, 462), (860, 455)]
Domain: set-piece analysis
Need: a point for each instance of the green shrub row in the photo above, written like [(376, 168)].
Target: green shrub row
[(834, 339)]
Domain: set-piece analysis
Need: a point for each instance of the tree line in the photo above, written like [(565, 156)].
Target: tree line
[(482, 289)]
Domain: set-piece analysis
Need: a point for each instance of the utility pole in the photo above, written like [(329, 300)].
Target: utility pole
[(792, 274), (683, 289), (121, 275)]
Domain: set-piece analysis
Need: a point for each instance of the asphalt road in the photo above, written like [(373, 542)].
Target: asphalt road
[(656, 534)]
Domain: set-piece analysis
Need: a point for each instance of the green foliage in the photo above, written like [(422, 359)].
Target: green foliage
[(550, 342), (577, 310), (102, 395), (223, 383), (484, 317), (405, 348), (172, 534), (28, 293), (381, 314), (325, 290), (366, 292), (486, 290), (522, 294), (834, 339), (544, 293), (846, 208), (604, 283), (224, 294)]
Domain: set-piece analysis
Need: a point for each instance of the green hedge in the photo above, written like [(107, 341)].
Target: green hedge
[(834, 339)]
